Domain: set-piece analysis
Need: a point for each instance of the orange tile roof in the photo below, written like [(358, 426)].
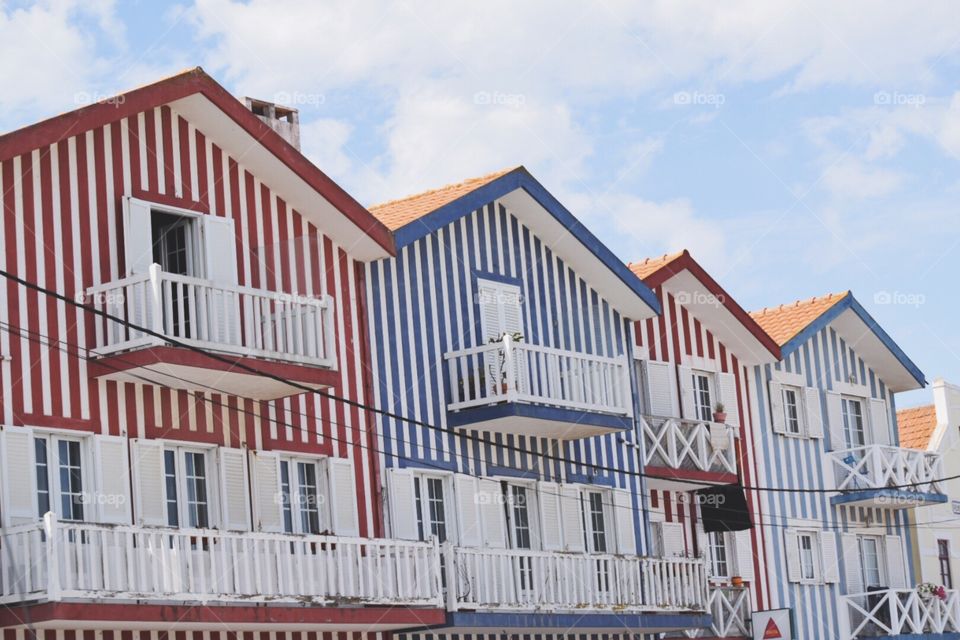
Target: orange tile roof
[(397, 213), (916, 426), (650, 266), (784, 322)]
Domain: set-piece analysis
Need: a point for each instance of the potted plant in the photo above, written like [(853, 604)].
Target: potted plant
[(929, 591), (736, 581), (719, 413), (501, 374)]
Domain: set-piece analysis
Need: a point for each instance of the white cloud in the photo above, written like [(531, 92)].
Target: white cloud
[(850, 178), (324, 141)]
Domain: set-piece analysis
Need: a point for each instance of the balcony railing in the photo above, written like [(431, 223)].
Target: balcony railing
[(686, 444), (877, 466), (893, 612), (56, 560), (235, 320), (524, 580), (514, 371), (730, 612)]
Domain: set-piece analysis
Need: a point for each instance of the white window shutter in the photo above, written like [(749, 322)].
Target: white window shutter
[(671, 541), (777, 417), (727, 386), (896, 567), (828, 554), (661, 388), (220, 250), (342, 484), (687, 405), (744, 548), (548, 494), (835, 421), (703, 543), (137, 236), (623, 518), (879, 421), (851, 563), (468, 510), (813, 415), (511, 304), (111, 464), (235, 507), (402, 498), (572, 516), (791, 546), (267, 495), (493, 519), (149, 488), (18, 476)]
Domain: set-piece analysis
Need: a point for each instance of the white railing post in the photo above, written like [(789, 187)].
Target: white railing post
[(156, 298), (53, 556), (510, 367), (450, 567)]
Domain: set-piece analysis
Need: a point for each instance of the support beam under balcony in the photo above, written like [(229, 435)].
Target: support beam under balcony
[(538, 421), (464, 622)]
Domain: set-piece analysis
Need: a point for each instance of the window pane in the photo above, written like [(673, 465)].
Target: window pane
[(791, 410), (196, 482), (307, 502), (718, 554), (438, 516), (43, 475), (598, 525), (71, 485), (701, 397), (170, 479), (285, 496)]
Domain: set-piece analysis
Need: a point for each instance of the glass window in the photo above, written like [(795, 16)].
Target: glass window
[(195, 475), (853, 423), (431, 509), (285, 496), (791, 410), (943, 555), (307, 497), (870, 561), (719, 568), (598, 525), (185, 479), (701, 397), (301, 494), (58, 465), (520, 517), (170, 479), (808, 558), (43, 476)]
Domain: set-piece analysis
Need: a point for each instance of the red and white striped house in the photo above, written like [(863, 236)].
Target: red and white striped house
[(161, 467)]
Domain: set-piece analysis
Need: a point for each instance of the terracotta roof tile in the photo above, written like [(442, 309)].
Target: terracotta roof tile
[(397, 213), (650, 266), (916, 426), (784, 322)]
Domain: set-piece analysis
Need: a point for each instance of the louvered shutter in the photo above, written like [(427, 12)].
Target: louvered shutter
[(18, 476), (687, 405), (851, 563), (743, 545), (219, 242), (137, 236), (671, 539), (828, 553), (896, 567), (342, 485), (813, 414), (493, 519), (879, 421), (468, 510), (490, 325), (835, 422), (111, 464), (267, 495), (402, 498), (572, 516), (623, 518), (777, 417), (727, 387), (548, 496), (791, 545), (235, 509), (661, 388), (149, 486)]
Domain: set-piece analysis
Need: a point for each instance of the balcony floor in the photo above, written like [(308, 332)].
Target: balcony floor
[(181, 368), (521, 418), (513, 623), (686, 479), (888, 498)]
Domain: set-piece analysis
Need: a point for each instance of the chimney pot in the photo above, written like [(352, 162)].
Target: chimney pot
[(284, 120)]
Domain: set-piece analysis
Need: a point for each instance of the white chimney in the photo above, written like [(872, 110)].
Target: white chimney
[(284, 120)]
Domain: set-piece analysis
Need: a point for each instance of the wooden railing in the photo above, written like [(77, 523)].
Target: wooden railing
[(515, 371), (878, 466), (893, 612), (524, 580), (686, 444), (56, 560), (729, 612), (235, 320)]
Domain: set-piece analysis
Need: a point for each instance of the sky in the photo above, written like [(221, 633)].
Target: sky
[(795, 148)]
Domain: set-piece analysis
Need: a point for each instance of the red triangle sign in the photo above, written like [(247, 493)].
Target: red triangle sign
[(772, 630)]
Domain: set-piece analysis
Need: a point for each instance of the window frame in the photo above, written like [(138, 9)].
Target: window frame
[(210, 475), (815, 556), (293, 489), (709, 378), (606, 513), (450, 515), (797, 392), (712, 546), (880, 552), (51, 440), (532, 512), (845, 415), (943, 559)]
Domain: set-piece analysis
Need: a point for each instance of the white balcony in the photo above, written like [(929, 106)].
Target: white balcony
[(730, 612), (528, 581), (868, 475), (895, 612), (266, 328), (66, 561), (688, 449), (514, 387)]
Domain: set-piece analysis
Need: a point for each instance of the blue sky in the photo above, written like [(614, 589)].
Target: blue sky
[(796, 148)]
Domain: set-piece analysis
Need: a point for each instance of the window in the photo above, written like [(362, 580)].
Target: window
[(701, 397), (791, 410), (174, 242), (853, 422), (431, 509), (521, 529), (719, 565), (597, 521), (59, 472), (808, 556), (870, 561), (301, 494), (943, 555), (188, 489)]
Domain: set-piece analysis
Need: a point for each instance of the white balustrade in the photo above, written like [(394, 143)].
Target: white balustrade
[(730, 613), (878, 466), (58, 560), (235, 320), (893, 612), (686, 444), (525, 580), (516, 371)]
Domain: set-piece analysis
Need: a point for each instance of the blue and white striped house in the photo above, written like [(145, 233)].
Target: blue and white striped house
[(501, 333), (840, 558)]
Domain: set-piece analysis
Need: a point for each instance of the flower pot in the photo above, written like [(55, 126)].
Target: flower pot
[(736, 581), (719, 416)]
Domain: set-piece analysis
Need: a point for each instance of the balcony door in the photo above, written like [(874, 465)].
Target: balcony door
[(597, 508), (521, 527), (176, 250), (501, 313), (854, 425)]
